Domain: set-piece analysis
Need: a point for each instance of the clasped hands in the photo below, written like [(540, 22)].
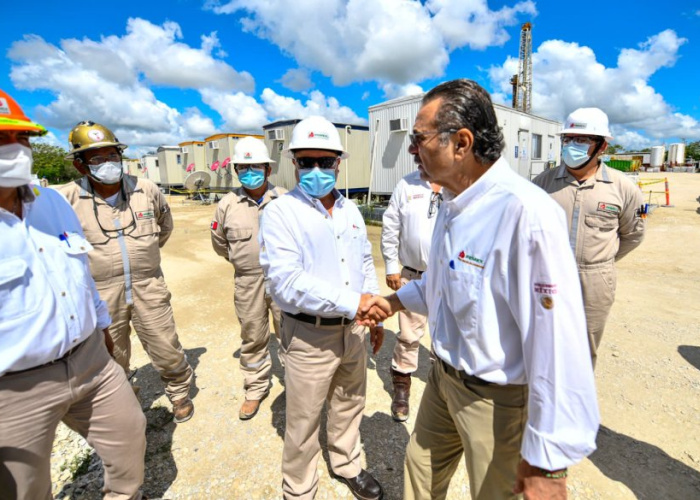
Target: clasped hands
[(374, 309)]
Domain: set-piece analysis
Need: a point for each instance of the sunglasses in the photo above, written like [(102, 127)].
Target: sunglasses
[(418, 138), (435, 202), (325, 162), (580, 141)]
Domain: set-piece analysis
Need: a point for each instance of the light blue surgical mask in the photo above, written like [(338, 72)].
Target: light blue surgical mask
[(575, 155), (251, 178), (109, 172), (317, 182)]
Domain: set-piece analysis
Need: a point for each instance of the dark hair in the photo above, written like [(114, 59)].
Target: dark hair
[(465, 104)]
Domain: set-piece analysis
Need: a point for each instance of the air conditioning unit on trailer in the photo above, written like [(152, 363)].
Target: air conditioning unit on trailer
[(276, 134), (214, 145), (398, 125), (184, 150)]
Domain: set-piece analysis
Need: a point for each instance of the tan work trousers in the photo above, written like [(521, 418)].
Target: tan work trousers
[(253, 308), (411, 330), (324, 363), (89, 392), (598, 284), (483, 422), (154, 323)]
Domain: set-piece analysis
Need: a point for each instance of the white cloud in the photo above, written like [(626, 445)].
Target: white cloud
[(471, 23), (240, 112), (297, 79), (108, 81), (390, 41), (567, 76), (392, 91)]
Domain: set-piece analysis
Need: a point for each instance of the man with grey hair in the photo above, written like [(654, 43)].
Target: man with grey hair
[(509, 389)]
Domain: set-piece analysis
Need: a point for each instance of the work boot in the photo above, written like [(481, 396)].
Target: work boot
[(363, 487), (402, 392), (183, 409), (250, 408)]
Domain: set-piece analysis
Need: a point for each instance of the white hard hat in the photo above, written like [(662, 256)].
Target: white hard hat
[(315, 132), (587, 121), (250, 150)]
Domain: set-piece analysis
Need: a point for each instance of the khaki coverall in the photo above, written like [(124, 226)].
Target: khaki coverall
[(125, 264), (234, 236), (604, 226)]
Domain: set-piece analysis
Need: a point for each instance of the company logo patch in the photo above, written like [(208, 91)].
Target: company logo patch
[(247, 156), (214, 225), (95, 135), (546, 288), (547, 302), (470, 259), (146, 214), (313, 135), (577, 125), (4, 107), (416, 196), (608, 207)]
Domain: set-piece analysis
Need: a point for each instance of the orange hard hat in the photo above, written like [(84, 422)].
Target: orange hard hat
[(13, 118)]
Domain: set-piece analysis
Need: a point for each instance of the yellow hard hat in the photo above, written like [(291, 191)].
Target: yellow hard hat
[(90, 135)]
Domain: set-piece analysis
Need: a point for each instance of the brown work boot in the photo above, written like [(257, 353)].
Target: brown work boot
[(250, 407), (183, 409), (402, 392)]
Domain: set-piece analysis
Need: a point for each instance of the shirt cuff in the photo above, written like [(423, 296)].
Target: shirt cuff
[(348, 304), (393, 267), (412, 298), (550, 454)]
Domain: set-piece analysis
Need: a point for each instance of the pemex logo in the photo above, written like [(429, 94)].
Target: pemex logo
[(247, 156), (313, 135)]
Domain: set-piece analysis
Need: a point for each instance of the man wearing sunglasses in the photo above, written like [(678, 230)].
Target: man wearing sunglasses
[(602, 212), (127, 220), (509, 390), (234, 236), (54, 365), (407, 228), (315, 252)]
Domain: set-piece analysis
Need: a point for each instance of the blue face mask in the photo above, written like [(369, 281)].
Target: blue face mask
[(317, 182), (575, 155), (251, 178)]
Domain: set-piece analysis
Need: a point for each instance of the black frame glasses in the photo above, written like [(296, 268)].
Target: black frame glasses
[(418, 138), (114, 233), (324, 162), (435, 202)]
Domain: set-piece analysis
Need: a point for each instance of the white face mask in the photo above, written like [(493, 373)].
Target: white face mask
[(15, 165), (109, 172)]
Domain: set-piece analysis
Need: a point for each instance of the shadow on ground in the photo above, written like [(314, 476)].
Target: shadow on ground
[(691, 354), (160, 467), (648, 471)]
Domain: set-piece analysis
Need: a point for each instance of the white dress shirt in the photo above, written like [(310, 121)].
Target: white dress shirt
[(504, 303), (406, 228), (48, 300), (316, 263)]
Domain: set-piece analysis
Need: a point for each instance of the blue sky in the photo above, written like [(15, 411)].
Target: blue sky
[(161, 72)]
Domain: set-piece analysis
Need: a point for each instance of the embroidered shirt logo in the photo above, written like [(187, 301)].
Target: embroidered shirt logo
[(214, 225), (146, 214), (470, 259), (547, 302), (608, 207), (546, 288)]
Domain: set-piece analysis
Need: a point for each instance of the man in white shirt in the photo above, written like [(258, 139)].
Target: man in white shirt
[(509, 389), (53, 329), (407, 228), (315, 252)]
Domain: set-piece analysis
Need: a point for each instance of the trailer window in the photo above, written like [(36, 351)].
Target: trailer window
[(536, 147)]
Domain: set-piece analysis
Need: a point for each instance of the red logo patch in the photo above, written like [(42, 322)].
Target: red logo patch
[(214, 225), (462, 255), (311, 134)]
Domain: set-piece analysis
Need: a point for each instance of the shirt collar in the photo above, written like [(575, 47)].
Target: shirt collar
[(601, 175), (479, 188), (337, 195)]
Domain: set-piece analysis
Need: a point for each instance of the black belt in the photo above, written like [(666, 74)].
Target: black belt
[(462, 375), (68, 353), (413, 270), (319, 321)]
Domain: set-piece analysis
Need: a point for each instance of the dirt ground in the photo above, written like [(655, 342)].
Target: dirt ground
[(648, 379)]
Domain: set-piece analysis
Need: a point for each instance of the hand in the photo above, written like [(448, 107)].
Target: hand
[(373, 309), (534, 486), (376, 338), (393, 281), (109, 342)]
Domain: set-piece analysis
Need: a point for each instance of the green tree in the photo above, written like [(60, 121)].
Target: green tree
[(692, 150), (614, 149), (50, 162)]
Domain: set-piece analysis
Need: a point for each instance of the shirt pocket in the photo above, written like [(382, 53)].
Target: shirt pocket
[(76, 250), (600, 238), (462, 296), (14, 288), (602, 223), (237, 234)]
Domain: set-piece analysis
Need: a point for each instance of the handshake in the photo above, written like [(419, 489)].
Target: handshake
[(374, 309)]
